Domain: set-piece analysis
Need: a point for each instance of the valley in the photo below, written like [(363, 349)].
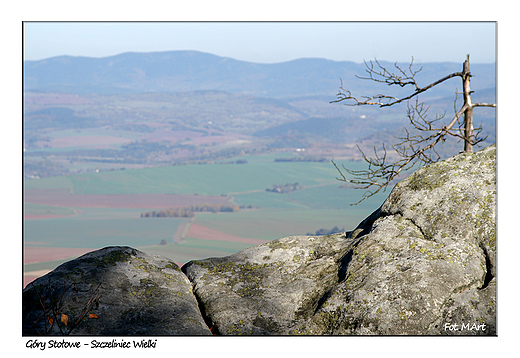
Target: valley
[(102, 145)]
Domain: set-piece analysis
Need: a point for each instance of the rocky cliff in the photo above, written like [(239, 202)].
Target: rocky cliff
[(424, 263)]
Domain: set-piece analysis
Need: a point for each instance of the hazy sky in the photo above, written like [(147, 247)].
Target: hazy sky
[(268, 42)]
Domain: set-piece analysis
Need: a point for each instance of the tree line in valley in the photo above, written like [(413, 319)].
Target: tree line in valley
[(322, 231), (189, 211)]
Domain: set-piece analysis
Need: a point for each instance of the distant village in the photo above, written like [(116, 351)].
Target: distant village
[(286, 188)]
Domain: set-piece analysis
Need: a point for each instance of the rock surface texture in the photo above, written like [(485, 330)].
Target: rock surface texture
[(113, 291), (422, 264)]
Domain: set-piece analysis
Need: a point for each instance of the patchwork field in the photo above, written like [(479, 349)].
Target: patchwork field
[(59, 199), (67, 216)]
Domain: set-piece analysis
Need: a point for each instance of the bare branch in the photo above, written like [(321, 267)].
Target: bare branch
[(417, 115), (384, 76), (373, 100), (380, 174), (484, 105), (388, 77)]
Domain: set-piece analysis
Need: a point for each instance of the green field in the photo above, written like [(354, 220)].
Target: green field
[(39, 209), (99, 230), (321, 204), (259, 173), (205, 179)]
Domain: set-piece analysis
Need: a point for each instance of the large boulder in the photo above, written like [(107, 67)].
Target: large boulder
[(422, 264), (113, 291), (264, 289)]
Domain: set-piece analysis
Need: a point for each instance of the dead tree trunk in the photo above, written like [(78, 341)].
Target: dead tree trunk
[(468, 115)]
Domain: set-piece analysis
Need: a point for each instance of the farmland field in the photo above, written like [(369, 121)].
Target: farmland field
[(212, 179), (89, 211)]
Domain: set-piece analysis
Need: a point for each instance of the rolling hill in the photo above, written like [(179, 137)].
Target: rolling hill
[(179, 71)]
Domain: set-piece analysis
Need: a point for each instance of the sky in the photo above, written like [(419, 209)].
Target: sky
[(268, 42)]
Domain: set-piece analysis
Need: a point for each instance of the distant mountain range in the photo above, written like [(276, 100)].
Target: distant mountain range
[(179, 71), (185, 106)]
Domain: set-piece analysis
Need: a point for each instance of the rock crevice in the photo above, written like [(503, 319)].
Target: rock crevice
[(489, 268)]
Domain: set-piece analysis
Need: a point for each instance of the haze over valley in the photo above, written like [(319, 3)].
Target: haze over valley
[(145, 109)]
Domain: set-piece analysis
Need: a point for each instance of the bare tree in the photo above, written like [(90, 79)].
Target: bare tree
[(413, 148)]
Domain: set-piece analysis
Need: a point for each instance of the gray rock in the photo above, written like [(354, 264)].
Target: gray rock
[(113, 291), (422, 264), (264, 289)]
